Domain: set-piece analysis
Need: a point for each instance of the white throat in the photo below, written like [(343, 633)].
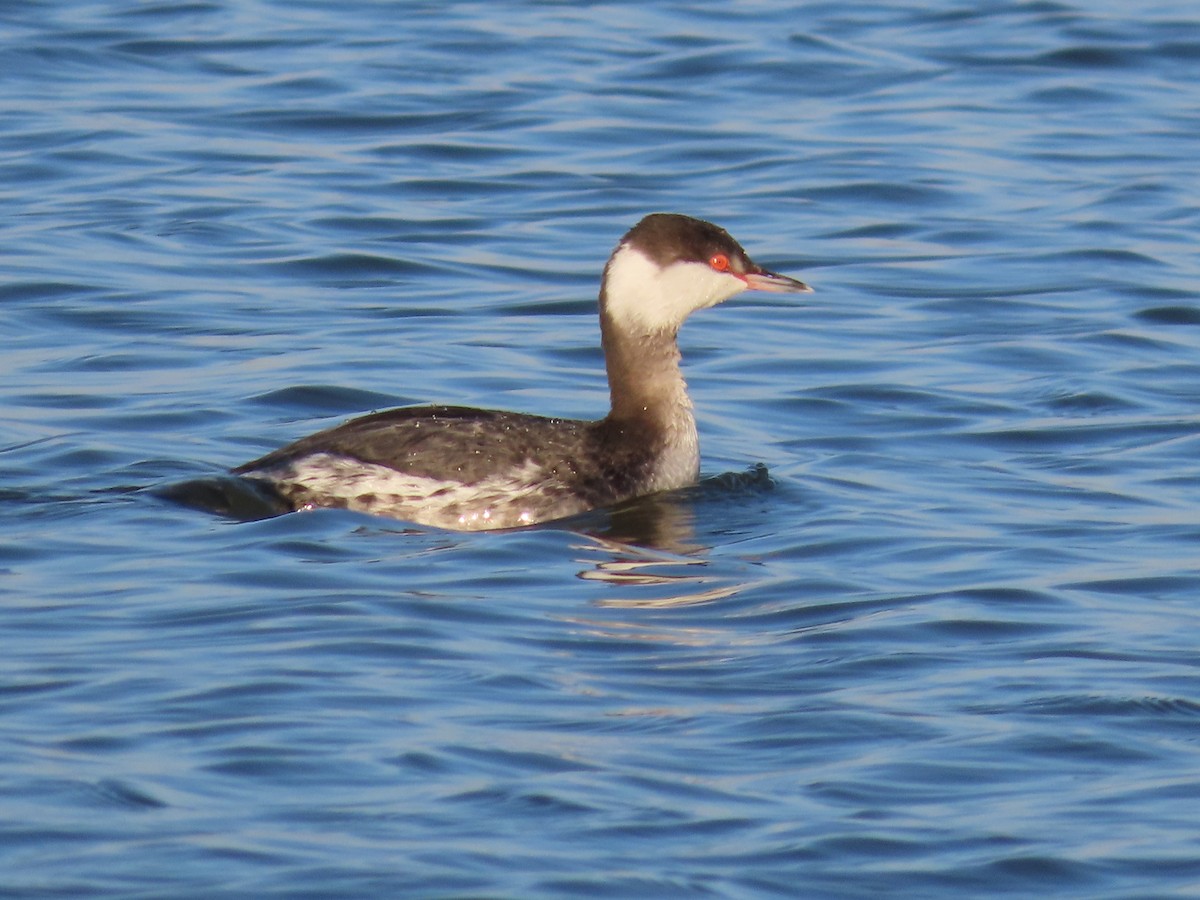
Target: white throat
[(644, 298)]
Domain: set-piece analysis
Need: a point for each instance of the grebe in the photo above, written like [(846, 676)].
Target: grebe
[(467, 469)]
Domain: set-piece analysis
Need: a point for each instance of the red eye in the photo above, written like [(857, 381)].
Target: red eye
[(720, 262)]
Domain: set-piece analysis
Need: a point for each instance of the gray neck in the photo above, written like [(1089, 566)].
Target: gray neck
[(647, 389), (644, 379)]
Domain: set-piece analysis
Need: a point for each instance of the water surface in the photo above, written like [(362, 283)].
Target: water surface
[(945, 645)]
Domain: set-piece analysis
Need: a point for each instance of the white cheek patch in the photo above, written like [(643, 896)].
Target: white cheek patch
[(643, 296)]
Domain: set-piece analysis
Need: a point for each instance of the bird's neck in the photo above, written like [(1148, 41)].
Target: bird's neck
[(644, 378), (648, 391)]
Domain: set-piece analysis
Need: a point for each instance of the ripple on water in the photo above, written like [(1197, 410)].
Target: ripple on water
[(930, 611)]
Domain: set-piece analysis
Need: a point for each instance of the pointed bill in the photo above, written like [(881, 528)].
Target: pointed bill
[(762, 280)]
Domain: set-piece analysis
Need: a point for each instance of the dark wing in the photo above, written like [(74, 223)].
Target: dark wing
[(440, 441)]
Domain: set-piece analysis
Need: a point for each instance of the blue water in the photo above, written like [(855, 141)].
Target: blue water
[(949, 646)]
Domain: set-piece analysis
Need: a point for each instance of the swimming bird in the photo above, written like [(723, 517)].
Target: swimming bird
[(467, 469)]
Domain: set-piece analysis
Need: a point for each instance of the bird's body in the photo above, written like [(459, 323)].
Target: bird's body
[(463, 468)]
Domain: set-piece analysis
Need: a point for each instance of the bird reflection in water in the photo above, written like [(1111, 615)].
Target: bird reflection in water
[(651, 543)]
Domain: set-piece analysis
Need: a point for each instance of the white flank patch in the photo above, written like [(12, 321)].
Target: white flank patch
[(644, 297), (498, 501)]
